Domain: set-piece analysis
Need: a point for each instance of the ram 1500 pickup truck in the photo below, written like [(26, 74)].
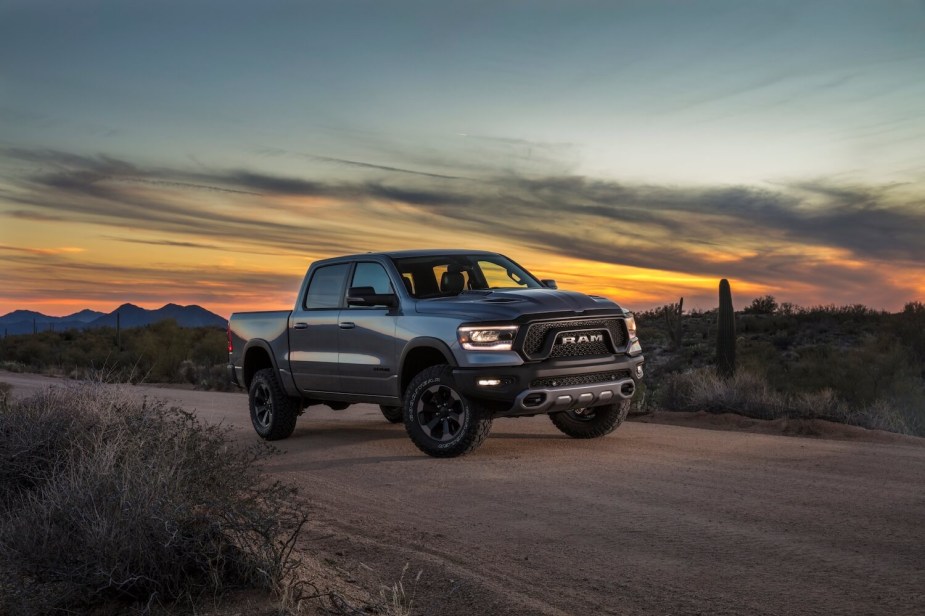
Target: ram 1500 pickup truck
[(444, 341)]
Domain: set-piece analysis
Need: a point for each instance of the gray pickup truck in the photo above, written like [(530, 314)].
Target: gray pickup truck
[(443, 340)]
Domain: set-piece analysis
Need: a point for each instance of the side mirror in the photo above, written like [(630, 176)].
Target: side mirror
[(367, 296), (550, 284)]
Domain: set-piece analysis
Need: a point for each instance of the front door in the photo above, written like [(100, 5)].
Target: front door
[(368, 361)]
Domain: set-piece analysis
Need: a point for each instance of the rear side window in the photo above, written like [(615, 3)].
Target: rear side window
[(326, 287), (372, 275)]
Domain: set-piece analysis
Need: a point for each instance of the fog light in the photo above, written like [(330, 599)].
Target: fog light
[(489, 382), (639, 371)]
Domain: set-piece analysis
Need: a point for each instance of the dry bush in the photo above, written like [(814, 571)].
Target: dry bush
[(749, 393), (105, 497)]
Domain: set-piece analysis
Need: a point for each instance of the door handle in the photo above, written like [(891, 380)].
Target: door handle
[(346, 325), (301, 326)]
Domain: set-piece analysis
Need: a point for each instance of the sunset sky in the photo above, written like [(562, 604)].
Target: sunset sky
[(207, 152)]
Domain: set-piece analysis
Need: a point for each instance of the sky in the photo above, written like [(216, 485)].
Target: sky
[(207, 152)]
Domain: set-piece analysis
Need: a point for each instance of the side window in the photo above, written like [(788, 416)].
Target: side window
[(372, 275), (326, 287), (497, 276)]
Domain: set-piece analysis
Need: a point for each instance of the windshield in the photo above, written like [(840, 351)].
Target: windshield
[(445, 275)]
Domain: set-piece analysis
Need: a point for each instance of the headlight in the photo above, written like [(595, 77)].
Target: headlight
[(631, 326), (500, 338)]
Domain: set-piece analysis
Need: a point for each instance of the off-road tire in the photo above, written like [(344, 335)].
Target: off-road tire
[(273, 413), (440, 420), (592, 422), (392, 414)]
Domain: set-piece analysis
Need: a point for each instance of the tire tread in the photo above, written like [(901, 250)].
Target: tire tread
[(606, 420), (285, 409), (479, 428)]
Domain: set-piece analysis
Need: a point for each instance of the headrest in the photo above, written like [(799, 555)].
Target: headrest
[(452, 283)]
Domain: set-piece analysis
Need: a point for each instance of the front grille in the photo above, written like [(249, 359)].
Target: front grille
[(581, 379), (581, 349), (537, 335)]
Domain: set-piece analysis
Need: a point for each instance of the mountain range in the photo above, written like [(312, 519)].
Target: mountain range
[(129, 315)]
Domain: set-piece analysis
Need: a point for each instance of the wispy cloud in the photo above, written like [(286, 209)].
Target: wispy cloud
[(274, 152)]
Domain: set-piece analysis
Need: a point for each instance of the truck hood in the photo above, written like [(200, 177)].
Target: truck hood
[(509, 305)]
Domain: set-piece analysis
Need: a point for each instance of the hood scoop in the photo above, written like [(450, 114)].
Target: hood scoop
[(502, 300)]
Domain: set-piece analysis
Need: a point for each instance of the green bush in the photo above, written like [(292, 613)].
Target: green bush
[(107, 498)]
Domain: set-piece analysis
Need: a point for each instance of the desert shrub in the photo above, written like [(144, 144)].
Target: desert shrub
[(762, 305), (701, 389), (845, 363), (106, 497), (749, 393), (155, 353)]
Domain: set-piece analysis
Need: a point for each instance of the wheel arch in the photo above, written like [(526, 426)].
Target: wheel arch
[(257, 355), (420, 354)]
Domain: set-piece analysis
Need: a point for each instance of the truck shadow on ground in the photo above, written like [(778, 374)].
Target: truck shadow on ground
[(340, 445)]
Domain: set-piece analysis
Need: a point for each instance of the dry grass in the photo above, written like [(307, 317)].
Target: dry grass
[(749, 393), (105, 498)]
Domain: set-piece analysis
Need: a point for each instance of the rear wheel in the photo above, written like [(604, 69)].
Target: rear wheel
[(393, 414), (273, 413), (440, 420), (591, 422)]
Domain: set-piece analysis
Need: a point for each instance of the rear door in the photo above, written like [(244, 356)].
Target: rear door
[(313, 330), (368, 362)]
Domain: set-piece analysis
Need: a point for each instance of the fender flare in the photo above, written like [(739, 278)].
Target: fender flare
[(429, 343), (257, 344)]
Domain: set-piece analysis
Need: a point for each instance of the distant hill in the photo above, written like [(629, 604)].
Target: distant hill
[(129, 315)]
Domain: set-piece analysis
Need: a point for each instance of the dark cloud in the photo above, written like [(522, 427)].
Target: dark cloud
[(270, 184), (776, 237), (862, 220), (282, 252), (166, 243), (29, 215), (412, 196)]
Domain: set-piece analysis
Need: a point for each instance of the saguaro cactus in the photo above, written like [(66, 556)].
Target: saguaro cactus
[(726, 332), (673, 314)]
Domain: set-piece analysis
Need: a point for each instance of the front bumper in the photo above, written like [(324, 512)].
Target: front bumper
[(552, 386)]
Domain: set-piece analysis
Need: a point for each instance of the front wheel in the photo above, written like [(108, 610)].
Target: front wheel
[(591, 422), (273, 413), (440, 420)]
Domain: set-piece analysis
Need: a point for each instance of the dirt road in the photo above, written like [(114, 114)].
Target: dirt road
[(654, 519)]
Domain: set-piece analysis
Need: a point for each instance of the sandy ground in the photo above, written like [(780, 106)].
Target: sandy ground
[(654, 519)]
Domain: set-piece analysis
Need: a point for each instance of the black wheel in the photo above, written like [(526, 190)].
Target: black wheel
[(273, 413), (591, 422), (440, 420), (393, 414)]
